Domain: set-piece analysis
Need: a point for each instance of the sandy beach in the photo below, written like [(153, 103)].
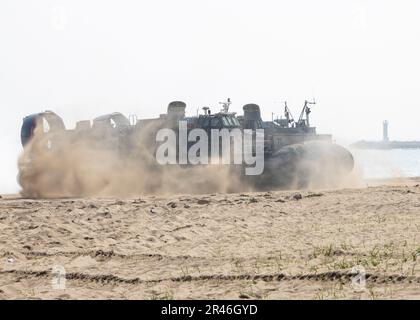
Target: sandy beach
[(261, 245)]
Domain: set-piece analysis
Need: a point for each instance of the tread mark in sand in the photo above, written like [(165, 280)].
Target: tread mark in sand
[(110, 278)]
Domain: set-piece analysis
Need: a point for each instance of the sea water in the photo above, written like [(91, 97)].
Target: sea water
[(383, 164)]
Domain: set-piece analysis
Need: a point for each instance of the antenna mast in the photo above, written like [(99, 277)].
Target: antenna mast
[(304, 115), (288, 114)]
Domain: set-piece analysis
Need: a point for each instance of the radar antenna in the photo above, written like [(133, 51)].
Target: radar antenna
[(225, 105)]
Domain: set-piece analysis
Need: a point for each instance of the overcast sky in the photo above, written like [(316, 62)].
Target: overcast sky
[(358, 59)]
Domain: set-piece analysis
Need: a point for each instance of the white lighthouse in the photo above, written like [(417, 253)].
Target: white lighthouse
[(385, 131)]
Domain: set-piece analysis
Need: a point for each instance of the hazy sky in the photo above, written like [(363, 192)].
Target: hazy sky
[(359, 59)]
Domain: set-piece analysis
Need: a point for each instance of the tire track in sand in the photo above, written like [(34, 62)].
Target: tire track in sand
[(113, 279)]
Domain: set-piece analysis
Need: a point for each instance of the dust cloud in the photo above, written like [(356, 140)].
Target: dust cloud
[(69, 166), (77, 164)]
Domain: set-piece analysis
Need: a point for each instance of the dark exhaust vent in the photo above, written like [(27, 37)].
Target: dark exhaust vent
[(252, 116)]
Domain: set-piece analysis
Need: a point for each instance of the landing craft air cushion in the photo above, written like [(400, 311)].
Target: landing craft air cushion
[(294, 154)]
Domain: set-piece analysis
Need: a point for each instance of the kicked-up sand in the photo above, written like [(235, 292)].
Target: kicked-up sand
[(341, 244)]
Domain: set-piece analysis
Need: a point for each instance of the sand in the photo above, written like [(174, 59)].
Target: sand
[(262, 245)]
